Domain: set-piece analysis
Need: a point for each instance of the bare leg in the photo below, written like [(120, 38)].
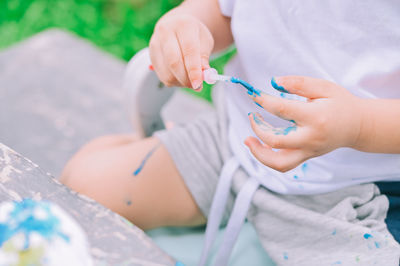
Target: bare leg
[(156, 196)]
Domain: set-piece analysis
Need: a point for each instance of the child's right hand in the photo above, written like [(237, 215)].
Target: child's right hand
[(180, 49)]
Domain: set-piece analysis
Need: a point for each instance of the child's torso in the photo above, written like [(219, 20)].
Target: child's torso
[(355, 44)]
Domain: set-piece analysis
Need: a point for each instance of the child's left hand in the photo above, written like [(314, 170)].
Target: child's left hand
[(330, 119)]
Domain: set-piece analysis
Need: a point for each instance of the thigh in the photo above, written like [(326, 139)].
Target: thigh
[(137, 179)]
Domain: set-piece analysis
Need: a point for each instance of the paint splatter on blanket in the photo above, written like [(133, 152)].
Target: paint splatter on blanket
[(148, 155)]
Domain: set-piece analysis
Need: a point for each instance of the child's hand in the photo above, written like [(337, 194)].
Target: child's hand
[(179, 49), (331, 118)]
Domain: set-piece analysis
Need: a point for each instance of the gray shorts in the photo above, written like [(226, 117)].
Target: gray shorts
[(344, 227)]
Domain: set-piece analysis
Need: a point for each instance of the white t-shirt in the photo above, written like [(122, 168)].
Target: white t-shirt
[(355, 44)]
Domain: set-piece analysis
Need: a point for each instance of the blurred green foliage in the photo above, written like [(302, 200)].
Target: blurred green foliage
[(120, 27)]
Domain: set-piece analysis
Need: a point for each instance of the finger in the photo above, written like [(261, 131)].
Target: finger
[(173, 57), (308, 87), (206, 46), (277, 138), (189, 42), (281, 160), (159, 66), (284, 108)]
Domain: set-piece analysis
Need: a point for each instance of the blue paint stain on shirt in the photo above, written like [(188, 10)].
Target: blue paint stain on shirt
[(377, 245), (22, 219), (337, 262), (367, 236), (148, 155), (178, 263), (277, 87), (295, 177), (250, 89)]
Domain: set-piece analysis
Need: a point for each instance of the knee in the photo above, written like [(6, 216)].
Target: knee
[(74, 174)]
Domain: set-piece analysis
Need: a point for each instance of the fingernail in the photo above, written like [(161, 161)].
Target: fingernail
[(197, 84), (278, 87)]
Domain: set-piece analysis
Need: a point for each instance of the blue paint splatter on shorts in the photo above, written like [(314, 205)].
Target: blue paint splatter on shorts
[(250, 89), (285, 256), (277, 87), (22, 219), (304, 167), (148, 155), (367, 236)]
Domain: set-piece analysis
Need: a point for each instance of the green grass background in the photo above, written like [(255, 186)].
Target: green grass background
[(119, 27)]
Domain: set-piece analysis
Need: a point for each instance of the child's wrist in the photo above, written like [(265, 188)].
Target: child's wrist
[(364, 124)]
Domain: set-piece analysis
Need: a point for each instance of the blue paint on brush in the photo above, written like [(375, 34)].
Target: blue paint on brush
[(250, 89), (148, 155), (367, 236), (277, 87), (22, 219)]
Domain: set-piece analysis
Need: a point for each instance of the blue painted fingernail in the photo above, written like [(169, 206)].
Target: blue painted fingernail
[(277, 87)]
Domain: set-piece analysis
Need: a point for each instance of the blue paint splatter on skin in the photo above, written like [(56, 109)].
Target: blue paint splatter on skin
[(367, 236), (258, 105), (128, 202), (277, 87), (23, 220), (292, 121), (334, 232), (148, 155), (286, 130), (283, 95), (377, 245), (250, 89), (285, 256)]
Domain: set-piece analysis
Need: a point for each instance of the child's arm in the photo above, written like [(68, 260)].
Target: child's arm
[(183, 40), (332, 118)]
